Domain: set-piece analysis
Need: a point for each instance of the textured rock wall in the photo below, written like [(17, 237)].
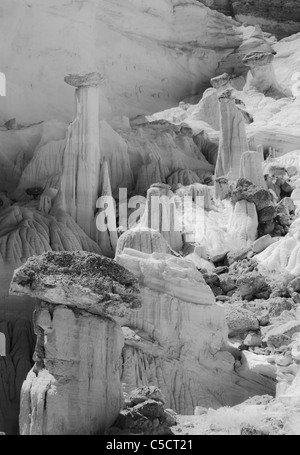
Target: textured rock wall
[(279, 17), (151, 53), (178, 339), (77, 391)]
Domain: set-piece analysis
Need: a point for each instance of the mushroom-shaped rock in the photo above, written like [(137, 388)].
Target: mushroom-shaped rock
[(251, 168), (222, 188), (82, 156), (142, 239), (261, 76), (74, 387), (208, 107), (284, 254)]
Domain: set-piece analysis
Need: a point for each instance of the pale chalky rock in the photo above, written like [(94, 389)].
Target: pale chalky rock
[(233, 141), (44, 169), (252, 339), (25, 231), (18, 148), (251, 168), (142, 239), (106, 235), (207, 109), (182, 338), (243, 224), (161, 214), (74, 386), (200, 194), (184, 177), (261, 76), (159, 149), (46, 199), (161, 30), (284, 254), (82, 157), (263, 242)]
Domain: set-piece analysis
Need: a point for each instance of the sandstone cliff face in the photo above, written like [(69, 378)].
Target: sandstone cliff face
[(74, 386), (179, 43), (178, 339), (279, 17)]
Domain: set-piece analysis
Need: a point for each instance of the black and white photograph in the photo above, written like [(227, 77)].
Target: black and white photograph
[(149, 220)]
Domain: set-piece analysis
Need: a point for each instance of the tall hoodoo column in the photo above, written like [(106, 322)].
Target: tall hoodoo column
[(251, 168), (261, 76), (82, 158), (208, 107), (161, 214), (233, 139)]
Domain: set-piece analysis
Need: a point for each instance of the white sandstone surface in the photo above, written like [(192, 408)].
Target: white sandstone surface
[(151, 53), (181, 344)]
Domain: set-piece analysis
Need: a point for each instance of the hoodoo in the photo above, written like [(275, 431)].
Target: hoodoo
[(149, 240)]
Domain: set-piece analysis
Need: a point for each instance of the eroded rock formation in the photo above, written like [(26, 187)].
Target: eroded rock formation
[(262, 75), (178, 339), (251, 168), (161, 215), (280, 18), (184, 42), (74, 386), (233, 141), (82, 157)]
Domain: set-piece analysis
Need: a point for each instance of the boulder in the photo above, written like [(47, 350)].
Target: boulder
[(282, 335), (253, 284), (262, 243), (267, 214), (252, 339), (227, 282), (247, 191), (145, 393), (146, 417), (277, 305), (239, 320)]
